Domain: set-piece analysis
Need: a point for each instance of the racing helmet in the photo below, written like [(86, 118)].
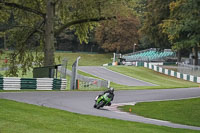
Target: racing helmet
[(112, 89)]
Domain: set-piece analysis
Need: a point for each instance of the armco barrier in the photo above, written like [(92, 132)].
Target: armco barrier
[(12, 83), (172, 73)]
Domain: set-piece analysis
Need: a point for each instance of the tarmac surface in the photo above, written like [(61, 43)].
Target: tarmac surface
[(82, 102), (112, 76)]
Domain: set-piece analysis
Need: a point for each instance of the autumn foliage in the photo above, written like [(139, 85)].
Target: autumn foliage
[(119, 35)]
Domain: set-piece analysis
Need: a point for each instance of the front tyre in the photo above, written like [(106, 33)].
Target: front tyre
[(101, 104), (95, 105)]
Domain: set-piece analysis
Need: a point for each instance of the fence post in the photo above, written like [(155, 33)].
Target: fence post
[(74, 74), (64, 68), (113, 57)]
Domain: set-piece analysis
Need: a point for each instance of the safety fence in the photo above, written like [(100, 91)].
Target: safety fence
[(91, 83), (189, 69), (172, 73), (85, 82), (12, 83)]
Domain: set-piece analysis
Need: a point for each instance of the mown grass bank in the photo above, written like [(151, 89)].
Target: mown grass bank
[(18, 117), (179, 111), (86, 59), (162, 81)]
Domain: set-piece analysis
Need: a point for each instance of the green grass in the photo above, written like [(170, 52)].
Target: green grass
[(29, 74), (179, 111), (86, 59), (18, 117), (145, 74)]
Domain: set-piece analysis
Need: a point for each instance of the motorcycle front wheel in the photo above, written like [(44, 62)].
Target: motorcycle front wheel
[(101, 104)]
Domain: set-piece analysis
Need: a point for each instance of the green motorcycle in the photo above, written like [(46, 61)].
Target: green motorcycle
[(103, 100)]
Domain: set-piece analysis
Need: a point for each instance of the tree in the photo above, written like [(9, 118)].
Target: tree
[(42, 20), (156, 12), (118, 36), (183, 27), (140, 8)]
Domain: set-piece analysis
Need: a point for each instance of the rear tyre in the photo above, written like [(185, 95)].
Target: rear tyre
[(95, 105), (109, 104)]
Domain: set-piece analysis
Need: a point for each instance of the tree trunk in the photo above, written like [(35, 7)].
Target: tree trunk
[(5, 39), (49, 35), (196, 55)]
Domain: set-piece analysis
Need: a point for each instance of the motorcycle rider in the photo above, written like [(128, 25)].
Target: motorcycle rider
[(111, 94)]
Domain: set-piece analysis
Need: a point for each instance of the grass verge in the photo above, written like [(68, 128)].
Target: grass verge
[(141, 73), (18, 117), (85, 60), (179, 111)]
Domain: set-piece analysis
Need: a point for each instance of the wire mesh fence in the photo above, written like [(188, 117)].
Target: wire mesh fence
[(189, 69), (89, 82), (4, 69)]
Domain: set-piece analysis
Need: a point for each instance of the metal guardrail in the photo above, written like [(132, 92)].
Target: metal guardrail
[(173, 73), (189, 69)]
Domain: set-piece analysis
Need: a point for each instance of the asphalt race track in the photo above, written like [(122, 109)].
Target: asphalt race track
[(115, 77), (82, 102)]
